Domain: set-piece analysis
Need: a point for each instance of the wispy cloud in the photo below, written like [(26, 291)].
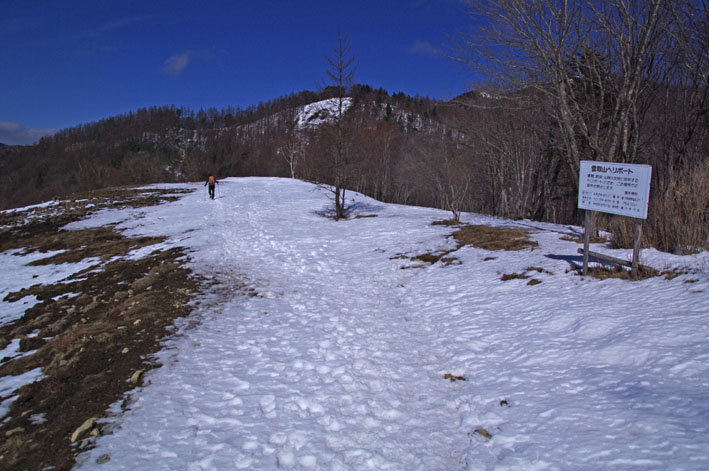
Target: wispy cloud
[(424, 48), (175, 65), (13, 133), (106, 38), (116, 25)]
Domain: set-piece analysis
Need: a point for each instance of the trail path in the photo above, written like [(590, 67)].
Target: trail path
[(315, 350), (325, 355)]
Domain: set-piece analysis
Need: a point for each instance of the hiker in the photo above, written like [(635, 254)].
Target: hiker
[(212, 183)]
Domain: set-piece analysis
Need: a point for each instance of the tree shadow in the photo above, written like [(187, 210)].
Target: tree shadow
[(350, 211), (360, 207)]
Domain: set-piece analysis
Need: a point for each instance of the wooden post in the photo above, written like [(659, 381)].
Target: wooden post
[(636, 246), (609, 258), (587, 228)]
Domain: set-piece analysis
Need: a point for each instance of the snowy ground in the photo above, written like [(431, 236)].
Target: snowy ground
[(339, 362)]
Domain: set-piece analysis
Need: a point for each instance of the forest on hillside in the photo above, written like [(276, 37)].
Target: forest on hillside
[(616, 81)]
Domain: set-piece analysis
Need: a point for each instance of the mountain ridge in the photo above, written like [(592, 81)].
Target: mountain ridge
[(170, 144)]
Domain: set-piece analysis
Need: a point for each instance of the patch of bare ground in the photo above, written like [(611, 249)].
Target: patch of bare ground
[(92, 334), (674, 273), (494, 238), (525, 275), (435, 258), (484, 237), (619, 272), (514, 276), (447, 222)]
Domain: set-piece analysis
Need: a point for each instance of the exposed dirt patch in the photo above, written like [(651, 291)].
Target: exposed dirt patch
[(514, 276), (447, 222), (93, 333), (453, 378), (436, 257), (674, 273), (484, 237), (622, 273), (525, 275), (494, 238), (539, 270)]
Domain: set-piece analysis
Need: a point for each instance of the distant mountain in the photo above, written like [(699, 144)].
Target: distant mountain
[(170, 144), (500, 154)]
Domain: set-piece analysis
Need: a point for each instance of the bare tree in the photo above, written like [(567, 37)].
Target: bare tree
[(376, 144), (515, 165), (340, 73), (592, 59), (622, 80), (450, 175), (679, 135), (292, 149)]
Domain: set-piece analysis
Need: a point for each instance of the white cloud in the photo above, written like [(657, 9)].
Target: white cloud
[(424, 48), (175, 65), (13, 133)]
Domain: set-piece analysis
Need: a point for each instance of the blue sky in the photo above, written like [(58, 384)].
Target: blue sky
[(68, 62)]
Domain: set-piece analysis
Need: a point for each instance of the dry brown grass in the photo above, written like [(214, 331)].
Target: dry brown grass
[(484, 237), (494, 238), (674, 273), (427, 258), (453, 378), (435, 257), (678, 216), (524, 276), (539, 270), (447, 222), (514, 276), (621, 273), (92, 347)]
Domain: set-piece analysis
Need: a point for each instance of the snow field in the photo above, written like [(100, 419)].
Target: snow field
[(337, 361)]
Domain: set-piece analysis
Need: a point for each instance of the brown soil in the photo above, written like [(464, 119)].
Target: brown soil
[(622, 273), (484, 237), (494, 238), (94, 346)]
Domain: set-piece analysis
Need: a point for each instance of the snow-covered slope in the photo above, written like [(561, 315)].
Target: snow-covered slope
[(314, 114), (351, 356)]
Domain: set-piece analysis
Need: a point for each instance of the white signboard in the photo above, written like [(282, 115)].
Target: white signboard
[(616, 188)]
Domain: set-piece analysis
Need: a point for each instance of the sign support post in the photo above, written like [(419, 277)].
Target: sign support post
[(636, 246), (586, 239)]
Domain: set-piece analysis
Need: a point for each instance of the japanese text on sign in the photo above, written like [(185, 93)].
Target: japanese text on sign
[(614, 188)]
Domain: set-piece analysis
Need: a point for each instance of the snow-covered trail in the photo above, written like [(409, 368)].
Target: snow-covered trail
[(329, 336), (316, 350), (322, 363)]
